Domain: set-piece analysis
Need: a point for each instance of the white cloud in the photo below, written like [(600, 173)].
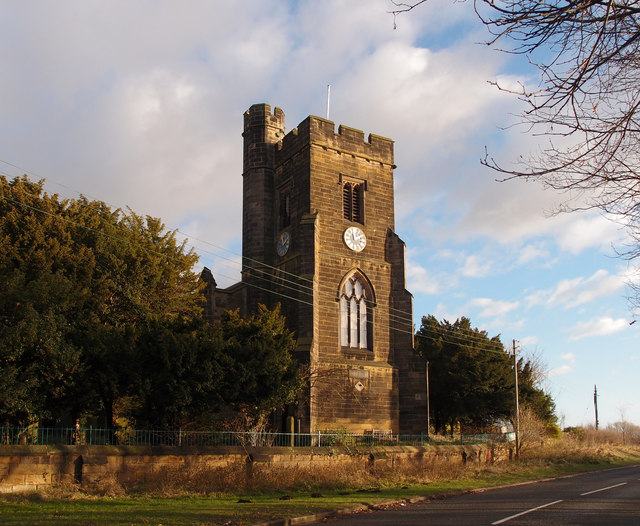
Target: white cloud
[(446, 254), (532, 252), (563, 369), (529, 340), (490, 308), (444, 312), (600, 327), (571, 293), (536, 298), (474, 267), (585, 232), (149, 118), (419, 280), (505, 212)]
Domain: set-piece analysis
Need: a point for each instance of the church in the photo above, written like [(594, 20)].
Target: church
[(318, 238)]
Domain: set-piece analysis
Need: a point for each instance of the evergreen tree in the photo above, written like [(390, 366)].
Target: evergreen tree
[(101, 314), (264, 375), (79, 282), (471, 380)]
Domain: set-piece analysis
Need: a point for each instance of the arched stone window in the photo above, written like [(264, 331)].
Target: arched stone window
[(355, 313)]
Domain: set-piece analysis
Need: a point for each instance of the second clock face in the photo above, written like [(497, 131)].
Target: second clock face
[(355, 238), (282, 246)]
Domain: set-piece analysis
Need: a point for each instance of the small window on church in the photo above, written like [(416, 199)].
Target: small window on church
[(355, 317), (285, 208), (353, 201)]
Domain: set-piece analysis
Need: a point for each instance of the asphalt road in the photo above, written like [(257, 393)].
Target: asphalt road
[(609, 497)]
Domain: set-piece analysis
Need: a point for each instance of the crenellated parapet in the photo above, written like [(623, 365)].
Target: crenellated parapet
[(262, 131), (317, 131), (263, 127), (260, 115)]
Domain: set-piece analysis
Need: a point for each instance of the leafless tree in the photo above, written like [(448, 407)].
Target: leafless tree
[(539, 368), (630, 433), (586, 103), (533, 430)]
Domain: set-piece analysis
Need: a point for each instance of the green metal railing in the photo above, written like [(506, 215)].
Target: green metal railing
[(35, 435)]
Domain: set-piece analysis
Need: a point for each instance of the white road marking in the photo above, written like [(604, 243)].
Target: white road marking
[(525, 512), (602, 489)]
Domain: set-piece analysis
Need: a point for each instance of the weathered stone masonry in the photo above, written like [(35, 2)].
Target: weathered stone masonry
[(32, 468), (307, 187)]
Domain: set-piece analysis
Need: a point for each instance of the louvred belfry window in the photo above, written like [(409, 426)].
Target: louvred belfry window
[(354, 314), (285, 208), (353, 202)]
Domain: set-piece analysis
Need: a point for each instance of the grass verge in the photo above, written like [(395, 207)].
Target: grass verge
[(296, 496)]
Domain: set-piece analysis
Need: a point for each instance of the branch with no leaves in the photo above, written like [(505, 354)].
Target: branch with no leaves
[(403, 7), (587, 101)]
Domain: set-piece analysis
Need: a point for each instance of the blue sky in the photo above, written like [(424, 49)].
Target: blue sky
[(140, 104)]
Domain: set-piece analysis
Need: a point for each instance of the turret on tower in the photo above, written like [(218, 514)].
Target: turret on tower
[(263, 130)]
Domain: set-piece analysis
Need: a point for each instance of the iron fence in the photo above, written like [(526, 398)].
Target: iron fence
[(46, 436)]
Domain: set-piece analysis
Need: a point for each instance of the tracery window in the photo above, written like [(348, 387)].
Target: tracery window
[(355, 314)]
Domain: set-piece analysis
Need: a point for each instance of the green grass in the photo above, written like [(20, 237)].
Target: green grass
[(79, 509)]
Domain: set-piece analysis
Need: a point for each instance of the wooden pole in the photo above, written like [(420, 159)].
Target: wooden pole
[(595, 403), (515, 371), (428, 415)]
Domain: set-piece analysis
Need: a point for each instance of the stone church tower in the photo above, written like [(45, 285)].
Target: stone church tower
[(318, 237)]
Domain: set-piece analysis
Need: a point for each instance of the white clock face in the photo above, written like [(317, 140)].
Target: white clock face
[(282, 246), (355, 238)]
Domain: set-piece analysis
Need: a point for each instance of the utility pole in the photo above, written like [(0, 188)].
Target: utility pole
[(428, 417), (595, 403), (515, 371)]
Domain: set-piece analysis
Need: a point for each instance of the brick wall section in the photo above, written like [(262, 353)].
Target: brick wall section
[(32, 468)]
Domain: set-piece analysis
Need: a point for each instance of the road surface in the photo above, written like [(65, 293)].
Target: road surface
[(609, 497)]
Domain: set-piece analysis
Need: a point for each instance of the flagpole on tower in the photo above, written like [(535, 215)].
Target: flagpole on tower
[(328, 99)]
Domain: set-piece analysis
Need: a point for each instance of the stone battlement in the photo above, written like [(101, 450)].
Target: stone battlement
[(260, 114), (321, 132), (315, 130)]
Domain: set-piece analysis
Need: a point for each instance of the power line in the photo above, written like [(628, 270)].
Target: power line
[(163, 255), (462, 341), (402, 316), (75, 223), (477, 342)]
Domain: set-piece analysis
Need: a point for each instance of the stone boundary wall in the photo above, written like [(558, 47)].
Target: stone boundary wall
[(33, 468)]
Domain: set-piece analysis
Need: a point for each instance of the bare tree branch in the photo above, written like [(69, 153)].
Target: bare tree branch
[(403, 7), (587, 102)]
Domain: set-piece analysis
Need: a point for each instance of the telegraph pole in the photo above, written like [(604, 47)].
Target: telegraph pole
[(595, 403), (515, 371), (428, 417)]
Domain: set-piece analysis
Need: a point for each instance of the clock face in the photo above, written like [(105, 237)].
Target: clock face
[(355, 238), (282, 246)]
